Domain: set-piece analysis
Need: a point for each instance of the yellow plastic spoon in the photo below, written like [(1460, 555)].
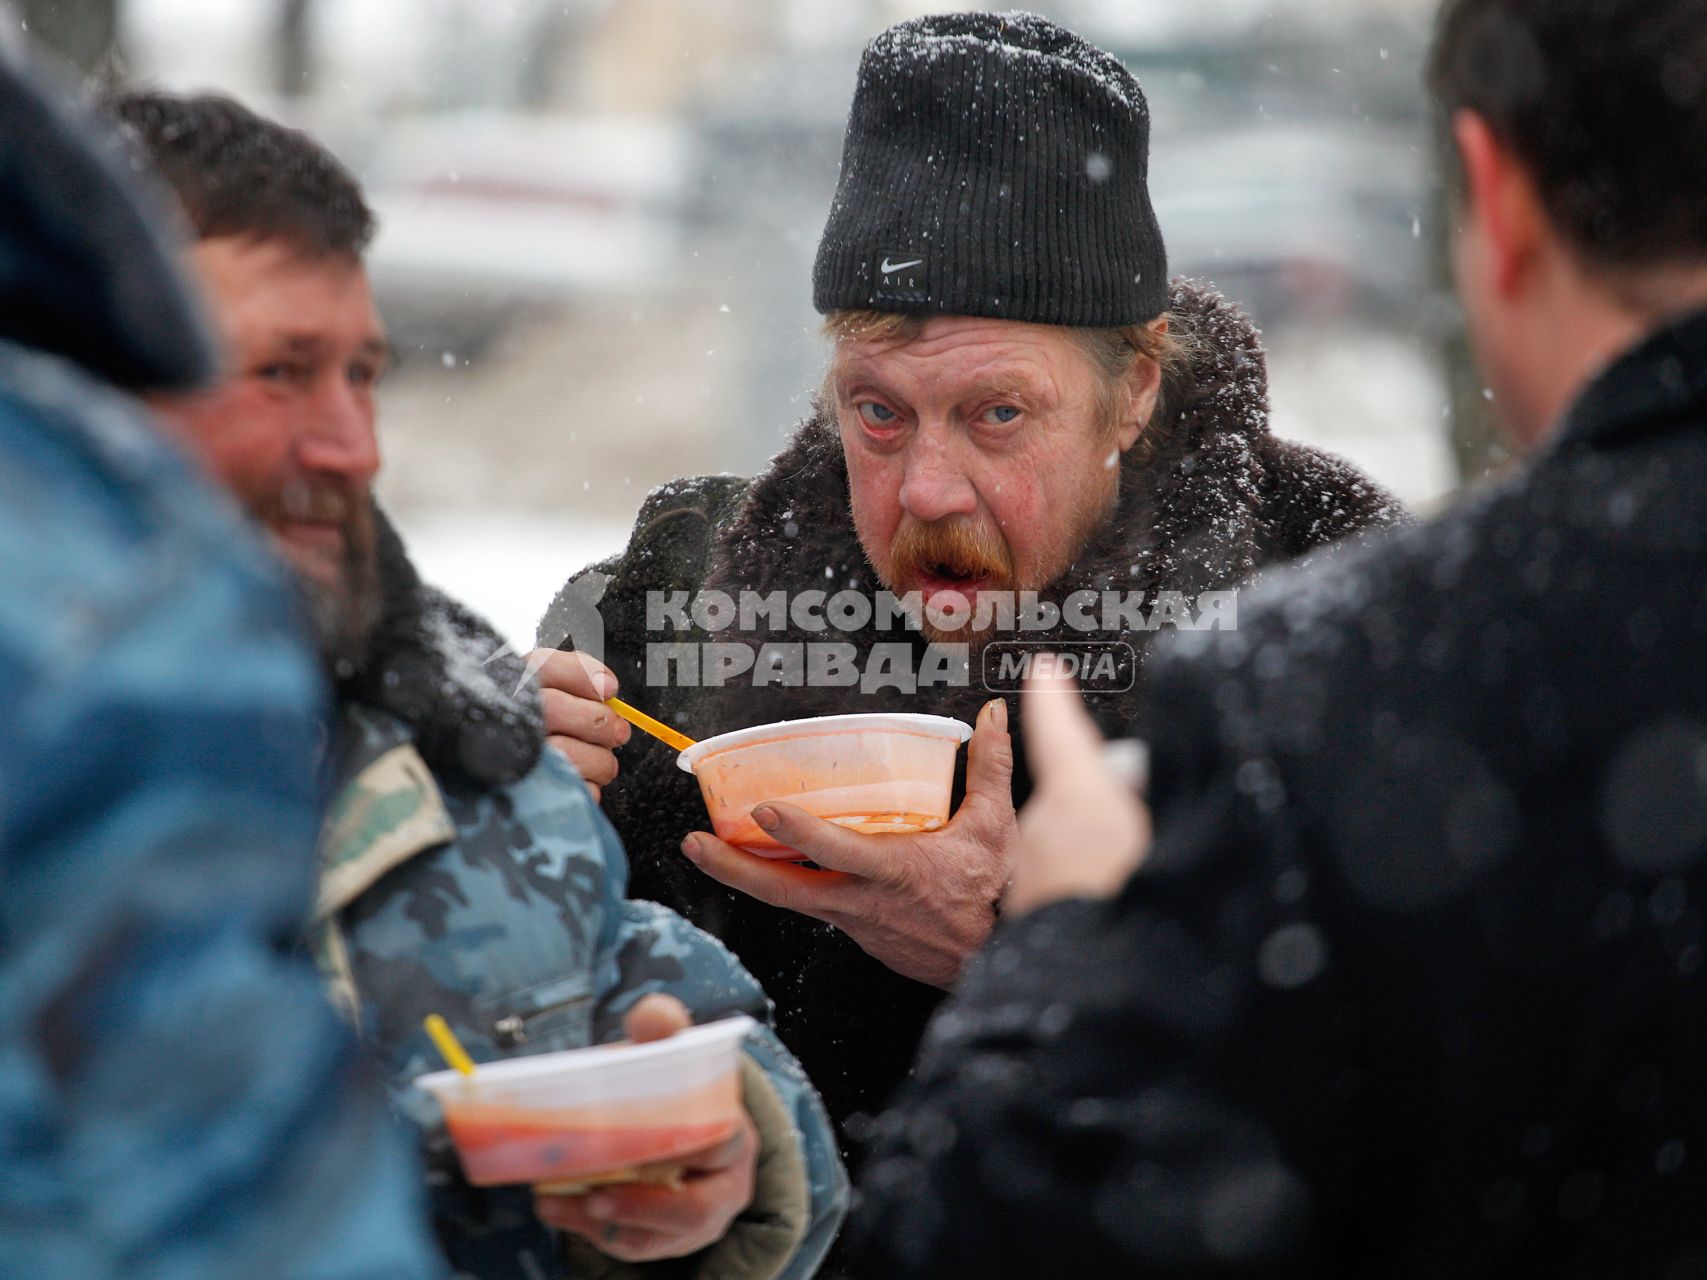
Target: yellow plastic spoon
[(657, 728), (448, 1045)]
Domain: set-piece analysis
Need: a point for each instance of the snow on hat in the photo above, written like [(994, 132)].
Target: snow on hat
[(994, 165)]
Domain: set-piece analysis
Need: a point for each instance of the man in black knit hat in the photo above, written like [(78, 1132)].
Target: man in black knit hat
[(1018, 402)]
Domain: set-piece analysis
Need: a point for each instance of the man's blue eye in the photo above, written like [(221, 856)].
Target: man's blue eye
[(875, 414), (280, 371), (1002, 414)]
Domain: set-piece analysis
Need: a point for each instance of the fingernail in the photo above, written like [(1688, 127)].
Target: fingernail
[(766, 817), (606, 685), (690, 847), (999, 713)]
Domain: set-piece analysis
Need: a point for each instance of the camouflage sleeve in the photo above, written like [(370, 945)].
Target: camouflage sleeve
[(177, 1098), (650, 949), (521, 934)]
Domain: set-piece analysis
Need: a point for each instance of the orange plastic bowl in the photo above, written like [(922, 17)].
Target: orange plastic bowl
[(579, 1113), (870, 772)]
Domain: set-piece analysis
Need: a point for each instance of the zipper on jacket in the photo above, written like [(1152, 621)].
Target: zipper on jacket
[(511, 1031)]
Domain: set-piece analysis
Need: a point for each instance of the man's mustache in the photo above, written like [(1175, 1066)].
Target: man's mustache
[(956, 547), (309, 502)]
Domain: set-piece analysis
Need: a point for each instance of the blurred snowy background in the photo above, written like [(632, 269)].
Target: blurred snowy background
[(598, 221)]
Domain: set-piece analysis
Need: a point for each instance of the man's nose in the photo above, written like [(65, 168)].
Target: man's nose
[(340, 437), (934, 484)]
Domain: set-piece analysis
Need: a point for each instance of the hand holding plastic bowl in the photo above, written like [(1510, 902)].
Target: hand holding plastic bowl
[(876, 773), (578, 1117), (582, 1116)]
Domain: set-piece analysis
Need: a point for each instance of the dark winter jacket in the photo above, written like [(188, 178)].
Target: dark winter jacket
[(1220, 498), (1412, 984), (468, 872)]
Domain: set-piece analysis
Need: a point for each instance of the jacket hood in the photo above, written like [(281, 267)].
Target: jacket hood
[(86, 271)]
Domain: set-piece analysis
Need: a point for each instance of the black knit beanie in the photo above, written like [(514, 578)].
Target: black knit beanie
[(995, 165)]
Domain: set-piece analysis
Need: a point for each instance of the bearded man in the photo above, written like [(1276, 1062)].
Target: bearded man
[(1017, 401), (464, 870), (177, 1099)]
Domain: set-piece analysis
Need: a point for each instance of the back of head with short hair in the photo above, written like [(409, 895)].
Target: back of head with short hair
[(1604, 102), (239, 174)]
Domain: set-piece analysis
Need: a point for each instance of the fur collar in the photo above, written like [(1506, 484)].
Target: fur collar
[(445, 672), (1194, 513), (1217, 498)]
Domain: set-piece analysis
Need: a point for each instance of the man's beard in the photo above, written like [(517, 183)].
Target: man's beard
[(346, 617), (345, 608)]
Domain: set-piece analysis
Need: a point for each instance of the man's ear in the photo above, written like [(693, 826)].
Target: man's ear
[(1144, 387), (1501, 203)]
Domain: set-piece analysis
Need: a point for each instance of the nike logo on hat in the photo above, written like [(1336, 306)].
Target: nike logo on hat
[(889, 268)]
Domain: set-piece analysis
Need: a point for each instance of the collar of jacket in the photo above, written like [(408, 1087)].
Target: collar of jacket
[(465, 695), (1188, 512), (1659, 381), (387, 809)]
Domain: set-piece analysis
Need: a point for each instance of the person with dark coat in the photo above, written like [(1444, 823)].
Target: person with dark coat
[(1138, 463), (1412, 981)]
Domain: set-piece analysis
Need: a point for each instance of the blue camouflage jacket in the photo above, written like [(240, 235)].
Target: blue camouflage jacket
[(178, 1101), (503, 908)]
